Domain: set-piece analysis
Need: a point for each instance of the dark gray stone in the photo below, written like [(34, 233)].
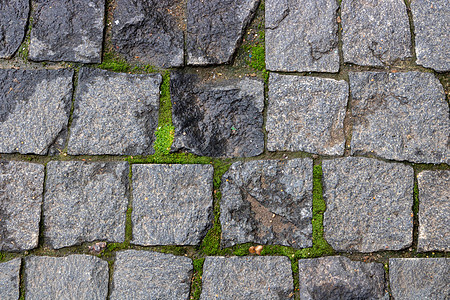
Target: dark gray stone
[(434, 210), (13, 21), (432, 33), (250, 277), (67, 30), (306, 114), (400, 116), (375, 32), (70, 277), (34, 110), (85, 202), (369, 204), (151, 275), (215, 29), (9, 279), (301, 35), (115, 113), (267, 202), (340, 278), (222, 119), (149, 31), (419, 278), (21, 191), (172, 204)]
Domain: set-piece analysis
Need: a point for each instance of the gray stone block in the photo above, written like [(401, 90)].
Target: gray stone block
[(10, 279), (13, 21)]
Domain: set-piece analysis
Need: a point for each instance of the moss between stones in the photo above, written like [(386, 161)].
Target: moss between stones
[(196, 284), (24, 51)]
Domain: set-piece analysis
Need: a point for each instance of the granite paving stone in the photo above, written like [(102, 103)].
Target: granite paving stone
[(9, 279), (267, 202), (369, 204), (400, 116), (306, 114), (85, 202), (172, 204), (115, 113), (13, 21)]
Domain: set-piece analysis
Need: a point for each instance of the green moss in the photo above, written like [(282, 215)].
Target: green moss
[(24, 48), (164, 139), (196, 285), (415, 207), (114, 62)]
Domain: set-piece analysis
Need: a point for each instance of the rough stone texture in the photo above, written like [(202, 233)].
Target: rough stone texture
[(267, 202), (151, 275), (340, 278), (432, 33), (250, 277), (34, 109), (13, 21), (400, 116), (419, 278), (368, 204), (150, 31), (172, 204), (434, 210), (69, 30), (222, 119), (375, 32), (9, 279), (306, 114), (85, 202), (70, 277), (21, 190), (301, 35), (115, 113), (215, 29)]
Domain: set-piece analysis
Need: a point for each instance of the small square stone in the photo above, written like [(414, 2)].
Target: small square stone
[(13, 21), (9, 279)]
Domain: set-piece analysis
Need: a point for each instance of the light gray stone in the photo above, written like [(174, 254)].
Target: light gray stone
[(13, 21), (9, 279)]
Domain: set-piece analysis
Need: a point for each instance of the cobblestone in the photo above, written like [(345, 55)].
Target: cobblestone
[(10, 279), (13, 21)]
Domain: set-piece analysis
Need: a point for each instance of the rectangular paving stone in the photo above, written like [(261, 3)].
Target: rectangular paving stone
[(267, 202), (115, 113), (306, 114), (369, 204), (13, 21), (85, 202), (34, 110), (172, 204), (10, 279), (400, 116), (21, 192)]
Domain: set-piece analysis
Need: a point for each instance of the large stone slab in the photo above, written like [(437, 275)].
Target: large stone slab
[(434, 210), (267, 202), (13, 21), (306, 114), (21, 192), (301, 35), (419, 278), (10, 279), (85, 202), (115, 113), (215, 29), (149, 31), (151, 275), (70, 277), (369, 204), (400, 116), (223, 119), (67, 30), (34, 110), (172, 204)]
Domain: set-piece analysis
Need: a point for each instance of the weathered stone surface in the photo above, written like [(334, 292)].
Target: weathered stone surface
[(13, 20), (432, 33), (301, 35), (151, 275), (34, 110), (419, 278), (340, 278), (69, 30), (222, 119), (250, 277), (400, 116), (215, 28), (21, 190), (70, 277), (150, 31), (375, 32), (172, 204), (115, 113), (9, 279), (434, 210), (306, 114), (267, 202), (85, 202), (368, 204)]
